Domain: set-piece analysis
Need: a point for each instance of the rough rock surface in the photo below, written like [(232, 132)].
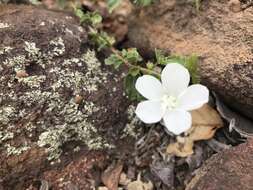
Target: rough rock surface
[(231, 169), (221, 37), (59, 106)]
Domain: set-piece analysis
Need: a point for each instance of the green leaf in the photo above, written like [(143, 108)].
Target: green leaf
[(143, 3), (129, 86), (92, 18), (161, 59), (192, 66), (150, 65), (189, 62), (101, 39), (114, 60), (131, 55), (134, 71), (112, 4), (197, 4)]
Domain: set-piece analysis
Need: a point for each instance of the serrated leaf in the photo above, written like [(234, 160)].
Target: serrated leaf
[(134, 71), (189, 62), (101, 39), (131, 55), (114, 60), (92, 18), (161, 59)]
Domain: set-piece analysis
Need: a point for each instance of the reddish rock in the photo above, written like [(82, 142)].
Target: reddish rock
[(220, 36), (41, 119), (228, 170)]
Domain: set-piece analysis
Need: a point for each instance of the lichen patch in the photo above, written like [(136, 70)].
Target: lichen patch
[(43, 88), (4, 25)]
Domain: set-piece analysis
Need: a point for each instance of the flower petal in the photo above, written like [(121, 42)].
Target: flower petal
[(194, 97), (149, 87), (175, 79), (149, 111), (177, 121)]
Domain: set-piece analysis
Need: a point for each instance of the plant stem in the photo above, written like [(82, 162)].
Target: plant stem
[(142, 69)]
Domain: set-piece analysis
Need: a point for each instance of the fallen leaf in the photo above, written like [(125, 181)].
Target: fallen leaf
[(182, 148), (111, 175), (140, 185), (163, 171), (194, 161), (205, 122), (124, 180)]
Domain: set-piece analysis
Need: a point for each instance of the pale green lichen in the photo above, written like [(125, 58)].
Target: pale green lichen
[(31, 48), (6, 113), (4, 136), (11, 150), (63, 120), (17, 63), (33, 81), (132, 129), (4, 25), (59, 46), (5, 50)]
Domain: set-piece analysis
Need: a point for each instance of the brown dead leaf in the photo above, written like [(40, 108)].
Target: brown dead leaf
[(140, 185), (111, 175), (182, 148), (124, 180), (205, 122)]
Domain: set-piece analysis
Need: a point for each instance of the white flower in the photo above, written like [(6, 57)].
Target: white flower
[(170, 100)]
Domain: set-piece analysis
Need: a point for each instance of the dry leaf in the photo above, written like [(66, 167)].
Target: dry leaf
[(205, 122), (139, 185), (182, 148), (111, 175), (164, 171), (124, 180), (21, 74)]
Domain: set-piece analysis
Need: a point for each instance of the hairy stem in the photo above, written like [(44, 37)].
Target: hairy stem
[(142, 69)]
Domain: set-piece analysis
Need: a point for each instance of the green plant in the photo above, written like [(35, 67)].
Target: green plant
[(131, 57), (112, 4)]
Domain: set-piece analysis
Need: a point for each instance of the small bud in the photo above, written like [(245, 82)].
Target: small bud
[(150, 65)]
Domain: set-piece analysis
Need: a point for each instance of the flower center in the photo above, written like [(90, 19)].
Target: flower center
[(169, 102)]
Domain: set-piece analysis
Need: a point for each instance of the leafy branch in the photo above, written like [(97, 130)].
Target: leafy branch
[(131, 58)]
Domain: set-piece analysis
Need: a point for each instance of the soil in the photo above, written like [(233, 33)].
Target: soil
[(221, 37)]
